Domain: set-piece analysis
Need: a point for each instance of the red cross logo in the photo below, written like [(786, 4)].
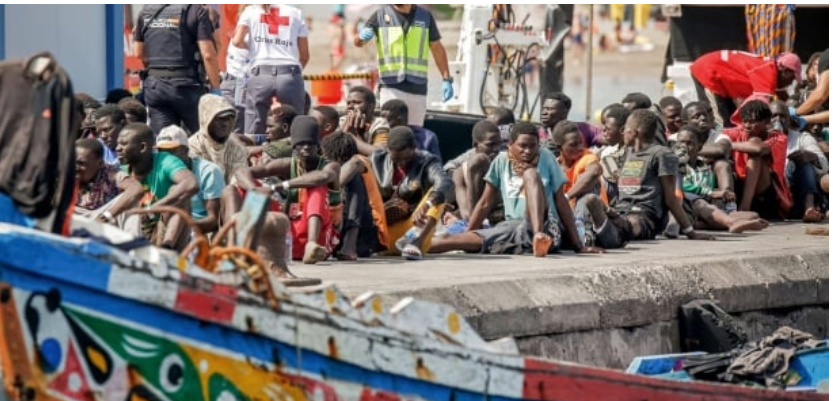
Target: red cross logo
[(274, 20)]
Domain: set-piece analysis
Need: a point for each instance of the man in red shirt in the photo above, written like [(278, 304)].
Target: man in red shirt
[(760, 158), (724, 78)]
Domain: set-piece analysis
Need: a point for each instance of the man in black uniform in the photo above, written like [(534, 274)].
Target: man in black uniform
[(173, 40)]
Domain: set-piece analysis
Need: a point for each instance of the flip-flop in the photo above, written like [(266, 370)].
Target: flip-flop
[(812, 215), (411, 252)]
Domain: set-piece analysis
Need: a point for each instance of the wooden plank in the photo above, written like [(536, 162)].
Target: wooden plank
[(250, 219)]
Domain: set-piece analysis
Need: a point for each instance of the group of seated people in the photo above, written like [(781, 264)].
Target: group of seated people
[(357, 185)]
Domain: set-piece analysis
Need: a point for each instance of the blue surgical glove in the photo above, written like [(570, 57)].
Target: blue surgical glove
[(366, 34), (217, 92), (448, 91), (801, 122)]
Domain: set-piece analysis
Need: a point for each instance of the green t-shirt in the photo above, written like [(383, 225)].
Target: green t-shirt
[(161, 178)]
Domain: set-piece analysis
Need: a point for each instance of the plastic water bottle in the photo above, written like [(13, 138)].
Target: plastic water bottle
[(288, 254), (580, 230)]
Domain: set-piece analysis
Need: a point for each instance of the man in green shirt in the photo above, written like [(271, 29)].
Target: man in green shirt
[(165, 179)]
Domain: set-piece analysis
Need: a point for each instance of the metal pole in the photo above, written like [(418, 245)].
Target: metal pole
[(589, 89)]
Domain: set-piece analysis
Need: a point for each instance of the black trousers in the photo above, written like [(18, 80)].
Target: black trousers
[(173, 101)]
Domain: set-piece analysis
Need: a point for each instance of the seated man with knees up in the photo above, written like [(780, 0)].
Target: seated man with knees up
[(166, 181), (715, 148), (364, 228), (214, 141), (104, 191), (310, 185), (414, 188), (806, 164), (531, 185), (579, 164), (700, 193), (647, 186), (468, 170), (205, 204), (760, 158)]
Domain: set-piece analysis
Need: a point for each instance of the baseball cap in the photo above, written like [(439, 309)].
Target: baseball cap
[(171, 137), (791, 61)]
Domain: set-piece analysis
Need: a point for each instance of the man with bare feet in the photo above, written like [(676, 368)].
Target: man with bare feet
[(647, 185), (309, 184), (699, 186), (531, 185)]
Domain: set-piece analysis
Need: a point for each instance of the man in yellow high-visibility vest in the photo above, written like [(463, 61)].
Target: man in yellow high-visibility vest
[(404, 33)]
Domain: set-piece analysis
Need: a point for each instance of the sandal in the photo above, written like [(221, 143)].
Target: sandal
[(812, 215), (411, 252)]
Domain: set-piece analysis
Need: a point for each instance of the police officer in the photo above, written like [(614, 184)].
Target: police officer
[(175, 41), (404, 33)]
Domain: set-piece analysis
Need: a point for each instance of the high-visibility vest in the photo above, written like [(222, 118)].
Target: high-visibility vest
[(403, 55)]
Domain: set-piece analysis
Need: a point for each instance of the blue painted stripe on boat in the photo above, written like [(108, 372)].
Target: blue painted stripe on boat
[(247, 344), (55, 259)]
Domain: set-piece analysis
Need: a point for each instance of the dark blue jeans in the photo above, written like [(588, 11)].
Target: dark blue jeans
[(173, 101), (803, 182)]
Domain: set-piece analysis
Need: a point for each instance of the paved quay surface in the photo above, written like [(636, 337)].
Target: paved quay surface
[(393, 275)]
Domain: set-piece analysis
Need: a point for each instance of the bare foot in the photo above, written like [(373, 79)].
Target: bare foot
[(541, 244), (738, 216), (290, 280), (747, 225), (314, 253)]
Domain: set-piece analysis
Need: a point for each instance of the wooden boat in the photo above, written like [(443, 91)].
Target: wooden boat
[(83, 320)]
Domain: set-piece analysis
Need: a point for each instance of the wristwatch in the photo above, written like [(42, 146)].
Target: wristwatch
[(450, 79)]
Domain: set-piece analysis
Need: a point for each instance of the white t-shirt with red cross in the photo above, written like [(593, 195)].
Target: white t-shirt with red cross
[(273, 34)]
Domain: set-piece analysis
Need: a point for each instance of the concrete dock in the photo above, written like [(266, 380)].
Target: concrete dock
[(606, 309)]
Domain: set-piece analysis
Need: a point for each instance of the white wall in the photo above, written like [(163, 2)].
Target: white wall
[(74, 34)]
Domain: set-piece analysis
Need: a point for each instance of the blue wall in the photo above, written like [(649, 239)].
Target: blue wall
[(86, 40), (2, 31)]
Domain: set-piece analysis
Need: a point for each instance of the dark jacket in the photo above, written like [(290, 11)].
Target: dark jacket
[(426, 172)]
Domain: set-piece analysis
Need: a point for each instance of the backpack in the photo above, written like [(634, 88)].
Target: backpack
[(37, 138), (706, 327)]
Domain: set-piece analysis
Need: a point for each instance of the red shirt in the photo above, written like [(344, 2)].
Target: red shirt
[(777, 162), (736, 74)]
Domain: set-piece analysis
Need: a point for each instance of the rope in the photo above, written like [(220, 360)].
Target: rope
[(334, 77)]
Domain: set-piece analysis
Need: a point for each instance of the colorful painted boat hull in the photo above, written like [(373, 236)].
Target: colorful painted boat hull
[(83, 321)]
